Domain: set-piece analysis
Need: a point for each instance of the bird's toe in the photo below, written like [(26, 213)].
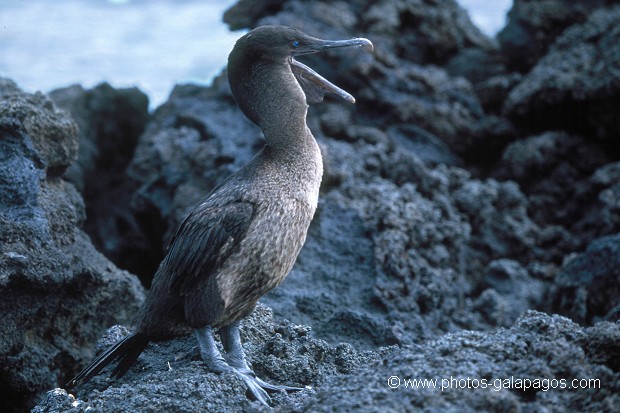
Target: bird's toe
[(254, 387), (276, 387)]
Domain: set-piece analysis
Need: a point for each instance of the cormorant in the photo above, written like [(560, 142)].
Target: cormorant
[(244, 237)]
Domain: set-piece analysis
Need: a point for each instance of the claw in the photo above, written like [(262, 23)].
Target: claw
[(254, 387), (234, 360), (258, 387), (276, 387)]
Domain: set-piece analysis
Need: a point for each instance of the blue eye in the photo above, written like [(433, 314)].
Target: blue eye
[(296, 43)]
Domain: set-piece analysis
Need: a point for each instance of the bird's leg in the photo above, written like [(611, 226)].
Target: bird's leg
[(209, 351), (234, 355), (215, 362), (233, 351)]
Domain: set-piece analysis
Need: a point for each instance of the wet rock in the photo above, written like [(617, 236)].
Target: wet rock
[(587, 287), (58, 292), (575, 86)]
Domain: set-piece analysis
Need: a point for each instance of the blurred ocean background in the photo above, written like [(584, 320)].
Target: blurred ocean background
[(47, 44)]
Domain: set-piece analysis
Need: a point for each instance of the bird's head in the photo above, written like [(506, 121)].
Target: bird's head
[(265, 57)]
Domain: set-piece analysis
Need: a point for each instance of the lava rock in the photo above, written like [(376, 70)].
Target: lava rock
[(170, 376), (415, 30), (587, 287), (533, 25), (110, 123), (575, 86), (58, 292), (332, 283), (569, 182), (488, 372), (509, 292)]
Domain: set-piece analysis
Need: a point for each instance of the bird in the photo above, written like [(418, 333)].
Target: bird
[(243, 238)]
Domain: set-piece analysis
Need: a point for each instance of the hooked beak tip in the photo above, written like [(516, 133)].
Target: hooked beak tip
[(366, 44)]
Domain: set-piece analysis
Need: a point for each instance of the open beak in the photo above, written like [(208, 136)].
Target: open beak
[(313, 84)]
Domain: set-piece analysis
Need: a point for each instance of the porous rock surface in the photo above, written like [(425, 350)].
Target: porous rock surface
[(57, 293), (575, 86), (451, 206)]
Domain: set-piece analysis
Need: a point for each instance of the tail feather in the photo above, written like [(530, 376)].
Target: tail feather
[(126, 351)]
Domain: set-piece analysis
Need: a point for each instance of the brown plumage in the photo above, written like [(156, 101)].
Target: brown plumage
[(244, 237)]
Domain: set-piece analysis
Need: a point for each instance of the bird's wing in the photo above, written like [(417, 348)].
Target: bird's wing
[(203, 241)]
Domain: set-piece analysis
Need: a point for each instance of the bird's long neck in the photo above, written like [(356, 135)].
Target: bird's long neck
[(281, 109), (269, 95), (285, 129)]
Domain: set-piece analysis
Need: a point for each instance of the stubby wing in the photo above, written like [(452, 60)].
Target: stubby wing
[(203, 242)]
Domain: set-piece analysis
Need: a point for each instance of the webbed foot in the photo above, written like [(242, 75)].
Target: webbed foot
[(234, 361)]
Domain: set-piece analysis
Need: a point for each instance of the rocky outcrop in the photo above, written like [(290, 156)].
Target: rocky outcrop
[(587, 288), (575, 86), (540, 363), (110, 122), (533, 25), (566, 365), (57, 292), (457, 197)]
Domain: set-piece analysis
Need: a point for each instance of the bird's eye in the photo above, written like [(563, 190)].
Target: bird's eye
[(295, 43)]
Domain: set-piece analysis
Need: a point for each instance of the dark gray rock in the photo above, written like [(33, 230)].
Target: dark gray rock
[(415, 30), (488, 372), (588, 286), (412, 240), (434, 232), (391, 86), (332, 284), (569, 183), (485, 372), (476, 64), (575, 86), (421, 287), (493, 91), (499, 220), (598, 201), (444, 107), (170, 377), (533, 25), (58, 293), (245, 12), (110, 122), (509, 291)]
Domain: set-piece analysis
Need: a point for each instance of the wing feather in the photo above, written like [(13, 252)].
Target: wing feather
[(203, 242)]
